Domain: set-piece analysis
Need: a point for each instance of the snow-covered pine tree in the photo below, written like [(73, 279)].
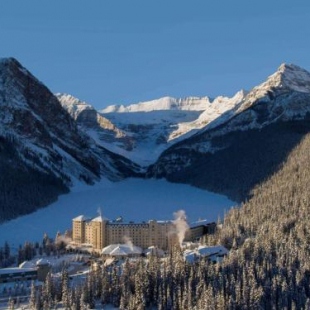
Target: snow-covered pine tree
[(11, 304), (48, 292), (65, 289), (33, 303)]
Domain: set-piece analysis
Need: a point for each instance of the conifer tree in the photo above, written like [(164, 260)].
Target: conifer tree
[(33, 297), (48, 292), (65, 289), (11, 304)]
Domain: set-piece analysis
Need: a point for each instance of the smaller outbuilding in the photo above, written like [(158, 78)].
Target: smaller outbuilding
[(121, 251), (44, 267), (198, 229), (17, 274), (214, 254)]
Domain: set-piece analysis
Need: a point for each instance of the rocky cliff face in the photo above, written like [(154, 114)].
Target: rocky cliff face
[(86, 116), (95, 125), (33, 118), (41, 143), (233, 156)]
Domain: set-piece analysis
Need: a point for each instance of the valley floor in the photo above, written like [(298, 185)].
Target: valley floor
[(133, 199)]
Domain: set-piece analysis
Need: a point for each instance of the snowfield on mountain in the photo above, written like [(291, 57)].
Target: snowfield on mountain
[(142, 131)]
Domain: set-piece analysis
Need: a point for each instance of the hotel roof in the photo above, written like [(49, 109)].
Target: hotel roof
[(80, 218), (99, 218), (199, 223)]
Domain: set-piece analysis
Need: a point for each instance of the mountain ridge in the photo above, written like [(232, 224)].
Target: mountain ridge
[(159, 121), (238, 154), (148, 128)]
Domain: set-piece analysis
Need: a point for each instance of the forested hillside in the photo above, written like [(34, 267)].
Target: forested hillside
[(271, 236)]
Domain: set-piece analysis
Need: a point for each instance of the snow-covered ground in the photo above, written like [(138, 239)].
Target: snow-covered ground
[(133, 199)]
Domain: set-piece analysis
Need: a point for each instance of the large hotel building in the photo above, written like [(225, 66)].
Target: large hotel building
[(99, 232)]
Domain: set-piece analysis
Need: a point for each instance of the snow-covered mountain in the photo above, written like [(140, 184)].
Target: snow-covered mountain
[(227, 145), (142, 131), (282, 93), (283, 96), (247, 143), (42, 151), (162, 104)]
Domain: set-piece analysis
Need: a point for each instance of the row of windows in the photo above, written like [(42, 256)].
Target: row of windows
[(123, 227)]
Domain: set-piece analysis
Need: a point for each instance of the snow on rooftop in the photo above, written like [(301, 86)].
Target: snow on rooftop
[(214, 253), (42, 262), (121, 250), (199, 223), (27, 264), (212, 250), (162, 221), (99, 218), (15, 270), (80, 218)]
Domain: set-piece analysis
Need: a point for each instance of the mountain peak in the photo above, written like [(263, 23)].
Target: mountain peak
[(287, 78), (292, 77), (11, 69), (291, 67), (10, 65), (71, 99), (72, 104), (9, 60)]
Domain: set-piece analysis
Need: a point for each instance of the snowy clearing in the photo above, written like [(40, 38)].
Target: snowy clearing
[(133, 199)]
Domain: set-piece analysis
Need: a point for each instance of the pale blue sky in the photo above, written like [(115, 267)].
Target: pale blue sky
[(112, 51)]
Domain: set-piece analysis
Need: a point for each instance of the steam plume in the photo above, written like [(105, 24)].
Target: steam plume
[(180, 224), (128, 241)]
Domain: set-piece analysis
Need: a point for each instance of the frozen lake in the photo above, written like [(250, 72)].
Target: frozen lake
[(133, 199)]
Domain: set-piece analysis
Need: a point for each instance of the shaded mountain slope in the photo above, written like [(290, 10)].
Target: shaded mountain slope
[(233, 157), (23, 188), (269, 236), (42, 150)]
